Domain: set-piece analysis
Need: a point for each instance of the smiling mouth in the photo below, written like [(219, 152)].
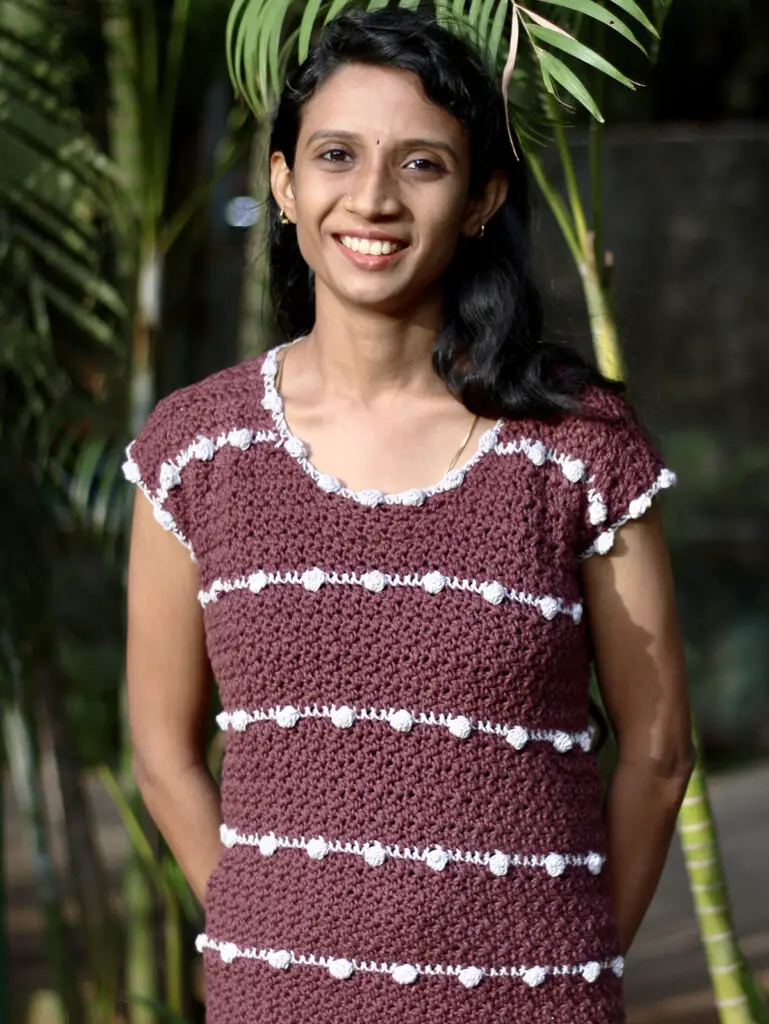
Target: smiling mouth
[(370, 246)]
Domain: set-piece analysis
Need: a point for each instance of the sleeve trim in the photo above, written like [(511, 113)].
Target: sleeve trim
[(604, 542), (132, 473)]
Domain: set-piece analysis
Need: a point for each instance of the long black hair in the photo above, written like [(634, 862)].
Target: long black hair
[(490, 350)]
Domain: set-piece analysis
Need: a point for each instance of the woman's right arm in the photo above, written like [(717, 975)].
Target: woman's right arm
[(169, 689)]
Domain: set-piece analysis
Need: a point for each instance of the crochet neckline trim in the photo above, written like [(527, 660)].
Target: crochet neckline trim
[(273, 403)]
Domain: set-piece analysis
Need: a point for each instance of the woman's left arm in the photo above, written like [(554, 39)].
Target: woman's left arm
[(631, 609)]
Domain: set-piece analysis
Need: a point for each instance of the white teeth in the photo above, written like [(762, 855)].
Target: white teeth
[(369, 247)]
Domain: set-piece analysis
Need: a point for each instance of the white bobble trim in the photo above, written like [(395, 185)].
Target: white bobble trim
[(586, 742), (573, 469), (272, 401), (340, 968), (487, 441), (535, 976), (576, 614), (170, 476), (279, 958), (287, 717), (413, 498), (471, 976), (329, 484), (591, 971), (257, 581), (201, 942), (499, 864), (295, 448), (405, 974), (165, 519), (604, 542), (205, 449), (317, 848), (549, 607), (594, 863), (494, 592), (434, 582), (228, 836), (555, 864), (313, 579), (223, 720), (268, 845), (374, 855), (537, 453), (453, 479), (618, 966), (239, 720), (131, 472), (342, 717), (401, 720), (562, 742), (437, 859), (639, 506), (460, 727), (374, 581), (597, 511), (517, 737), (667, 478), (228, 951), (369, 498), (240, 438)]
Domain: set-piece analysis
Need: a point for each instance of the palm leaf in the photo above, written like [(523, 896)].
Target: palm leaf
[(564, 76), (594, 10), (631, 7), (562, 41)]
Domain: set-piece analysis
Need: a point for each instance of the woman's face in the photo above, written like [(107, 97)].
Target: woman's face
[(376, 161)]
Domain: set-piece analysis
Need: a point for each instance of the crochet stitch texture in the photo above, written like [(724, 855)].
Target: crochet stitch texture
[(412, 828)]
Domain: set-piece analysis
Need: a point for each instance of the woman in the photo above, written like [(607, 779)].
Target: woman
[(411, 531)]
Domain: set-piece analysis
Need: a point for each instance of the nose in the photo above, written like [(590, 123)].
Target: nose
[(374, 191)]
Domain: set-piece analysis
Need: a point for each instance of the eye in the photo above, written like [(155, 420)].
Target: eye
[(427, 165), (332, 155)]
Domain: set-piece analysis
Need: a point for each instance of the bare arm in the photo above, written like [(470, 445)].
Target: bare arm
[(630, 601), (169, 686)]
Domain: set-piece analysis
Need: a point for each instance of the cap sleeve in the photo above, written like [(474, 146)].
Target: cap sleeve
[(153, 463), (625, 471)]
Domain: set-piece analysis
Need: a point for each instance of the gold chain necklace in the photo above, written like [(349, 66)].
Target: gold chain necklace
[(279, 378)]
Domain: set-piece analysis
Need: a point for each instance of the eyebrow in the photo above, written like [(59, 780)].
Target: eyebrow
[(329, 133)]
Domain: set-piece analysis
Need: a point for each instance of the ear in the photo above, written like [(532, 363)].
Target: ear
[(282, 185), (481, 209)]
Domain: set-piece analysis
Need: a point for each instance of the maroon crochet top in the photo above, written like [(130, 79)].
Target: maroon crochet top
[(412, 828)]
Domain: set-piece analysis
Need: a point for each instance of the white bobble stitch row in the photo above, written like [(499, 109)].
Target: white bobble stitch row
[(240, 438), (317, 849), (279, 958), (340, 968), (401, 720), (131, 471), (287, 716), (170, 476), (204, 449), (470, 976), (405, 974), (437, 859), (535, 976)]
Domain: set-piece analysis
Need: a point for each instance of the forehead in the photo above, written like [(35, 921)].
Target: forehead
[(385, 103)]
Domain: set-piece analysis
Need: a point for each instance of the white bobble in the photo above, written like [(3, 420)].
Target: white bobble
[(317, 848), (268, 845), (340, 968), (228, 951), (272, 402), (434, 582), (165, 519), (369, 498), (205, 449), (413, 498), (405, 974), (223, 720), (374, 854), (618, 966), (487, 441), (342, 717), (667, 478), (287, 717), (453, 479), (594, 863), (257, 581), (555, 864), (329, 484), (494, 592), (604, 542), (131, 472), (597, 512), (313, 579), (295, 448), (640, 505), (563, 742), (228, 836), (573, 469), (535, 976), (517, 737), (240, 438), (537, 453), (549, 607), (460, 727), (279, 958), (592, 971), (576, 613), (437, 859), (586, 741), (239, 720), (201, 942), (170, 476), (374, 581), (499, 864), (470, 976), (401, 720)]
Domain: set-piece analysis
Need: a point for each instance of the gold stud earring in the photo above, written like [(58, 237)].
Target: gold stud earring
[(282, 217), (482, 231)]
